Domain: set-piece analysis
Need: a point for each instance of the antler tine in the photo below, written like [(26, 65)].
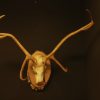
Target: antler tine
[(29, 56), (3, 35), (86, 27), (22, 68), (2, 16)]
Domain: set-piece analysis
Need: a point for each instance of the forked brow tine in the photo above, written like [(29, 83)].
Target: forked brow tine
[(86, 27)]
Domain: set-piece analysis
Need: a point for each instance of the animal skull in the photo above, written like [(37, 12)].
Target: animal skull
[(40, 70), (39, 67)]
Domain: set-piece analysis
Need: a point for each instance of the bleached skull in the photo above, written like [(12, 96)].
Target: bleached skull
[(39, 68)]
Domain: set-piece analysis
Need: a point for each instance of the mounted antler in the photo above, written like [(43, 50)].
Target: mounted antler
[(39, 65), (84, 28), (28, 55)]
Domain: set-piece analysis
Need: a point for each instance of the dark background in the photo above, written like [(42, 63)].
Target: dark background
[(40, 25)]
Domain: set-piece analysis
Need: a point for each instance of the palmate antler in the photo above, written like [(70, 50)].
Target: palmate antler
[(84, 28)]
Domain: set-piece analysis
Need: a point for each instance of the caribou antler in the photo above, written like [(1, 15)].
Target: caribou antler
[(84, 28), (39, 63), (2, 16), (3, 35)]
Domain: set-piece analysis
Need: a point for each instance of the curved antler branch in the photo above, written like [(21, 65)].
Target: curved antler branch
[(3, 35), (86, 27), (2, 16), (59, 64), (22, 68)]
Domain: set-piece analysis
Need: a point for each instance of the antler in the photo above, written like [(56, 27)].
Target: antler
[(2, 16), (86, 27), (3, 35), (28, 55), (22, 68)]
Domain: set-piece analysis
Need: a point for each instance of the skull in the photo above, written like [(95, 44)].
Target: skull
[(39, 68)]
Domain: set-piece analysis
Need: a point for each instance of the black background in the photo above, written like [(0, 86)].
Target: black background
[(40, 25)]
